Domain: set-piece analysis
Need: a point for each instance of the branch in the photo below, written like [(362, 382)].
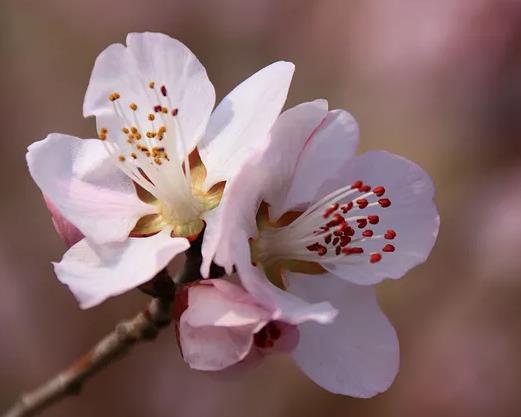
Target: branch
[(144, 326)]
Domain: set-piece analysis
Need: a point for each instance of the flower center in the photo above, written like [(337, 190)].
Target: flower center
[(331, 229), (149, 147)]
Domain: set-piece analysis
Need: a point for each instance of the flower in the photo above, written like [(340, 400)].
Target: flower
[(219, 324), (157, 172), (301, 216)]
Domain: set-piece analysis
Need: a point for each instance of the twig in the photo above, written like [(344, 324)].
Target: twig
[(144, 326)]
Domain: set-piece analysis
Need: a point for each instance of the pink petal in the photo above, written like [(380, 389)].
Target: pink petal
[(357, 354), (128, 71), (412, 215), (96, 272), (216, 329), (86, 187), (241, 122)]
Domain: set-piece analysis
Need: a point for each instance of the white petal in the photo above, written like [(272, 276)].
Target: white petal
[(86, 187), (266, 175), (241, 122), (330, 146), (289, 308), (412, 214), (96, 272), (356, 355), (128, 70)]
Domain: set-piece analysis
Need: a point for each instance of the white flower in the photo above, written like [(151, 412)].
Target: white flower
[(159, 166), (301, 214)]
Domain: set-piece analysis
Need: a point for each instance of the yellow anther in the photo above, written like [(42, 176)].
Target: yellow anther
[(151, 135), (151, 84), (103, 133), (133, 130), (125, 131), (121, 158), (133, 155), (114, 96), (164, 110), (151, 117), (133, 106)]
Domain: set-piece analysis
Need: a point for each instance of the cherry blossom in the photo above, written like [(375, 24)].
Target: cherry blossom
[(157, 172), (306, 217)]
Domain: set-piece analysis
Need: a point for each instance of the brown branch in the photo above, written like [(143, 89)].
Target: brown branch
[(144, 326)]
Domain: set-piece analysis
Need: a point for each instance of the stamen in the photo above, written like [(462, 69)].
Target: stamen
[(375, 257), (388, 248)]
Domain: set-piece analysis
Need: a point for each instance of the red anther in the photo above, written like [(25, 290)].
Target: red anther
[(347, 207), (350, 231), (330, 210), (390, 234), (353, 250), (342, 227), (375, 257), (338, 250), (314, 247), (163, 91), (367, 233), (338, 233), (335, 241), (384, 202), (175, 111), (327, 239), (379, 191), (373, 219), (357, 184), (322, 250), (365, 188), (361, 223), (158, 108), (344, 241), (362, 203), (338, 218), (388, 248)]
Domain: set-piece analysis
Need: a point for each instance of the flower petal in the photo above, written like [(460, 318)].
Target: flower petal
[(289, 308), (332, 143), (86, 187), (220, 303), (216, 330), (212, 348), (158, 58), (357, 354), (65, 229), (412, 215), (96, 272), (241, 122), (265, 175)]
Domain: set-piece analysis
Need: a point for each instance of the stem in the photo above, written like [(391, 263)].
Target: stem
[(144, 326)]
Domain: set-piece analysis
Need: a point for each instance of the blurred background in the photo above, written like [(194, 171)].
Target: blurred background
[(436, 81)]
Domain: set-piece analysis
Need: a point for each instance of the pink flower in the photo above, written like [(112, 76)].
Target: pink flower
[(307, 216), (220, 325), (157, 172)]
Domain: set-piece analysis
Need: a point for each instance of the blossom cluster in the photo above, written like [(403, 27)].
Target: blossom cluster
[(302, 226)]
